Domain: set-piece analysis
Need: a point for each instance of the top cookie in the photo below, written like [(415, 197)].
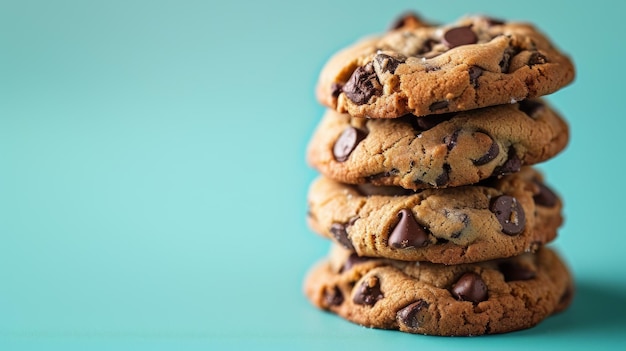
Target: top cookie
[(421, 69)]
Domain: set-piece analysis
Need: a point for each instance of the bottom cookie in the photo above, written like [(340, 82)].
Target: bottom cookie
[(490, 297)]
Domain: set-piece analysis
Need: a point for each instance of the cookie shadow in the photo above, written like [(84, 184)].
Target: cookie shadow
[(601, 307)]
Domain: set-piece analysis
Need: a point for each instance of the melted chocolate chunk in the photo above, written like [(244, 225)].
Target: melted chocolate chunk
[(513, 272), (474, 73), (536, 58), (333, 296), (507, 56), (444, 177), (509, 213), (408, 233), (470, 287), (530, 107), (459, 36), (368, 293), (362, 85), (387, 63), (339, 231), (513, 164), (493, 151), (439, 105), (347, 142), (413, 315), (545, 197)]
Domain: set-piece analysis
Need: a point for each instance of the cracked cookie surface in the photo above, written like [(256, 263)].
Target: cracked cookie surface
[(459, 300), (497, 218), (439, 150), (422, 69)]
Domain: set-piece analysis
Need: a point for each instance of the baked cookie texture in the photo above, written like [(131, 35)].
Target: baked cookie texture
[(445, 150), (452, 300), (438, 222), (426, 69), (495, 219)]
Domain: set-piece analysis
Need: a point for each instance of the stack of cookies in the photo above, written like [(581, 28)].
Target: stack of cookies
[(439, 224)]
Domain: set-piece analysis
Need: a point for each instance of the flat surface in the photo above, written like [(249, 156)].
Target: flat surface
[(153, 182)]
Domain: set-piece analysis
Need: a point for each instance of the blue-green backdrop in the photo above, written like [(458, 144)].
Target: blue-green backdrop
[(153, 182)]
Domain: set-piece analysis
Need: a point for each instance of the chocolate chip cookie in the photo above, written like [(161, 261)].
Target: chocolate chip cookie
[(496, 218), (424, 298), (445, 150), (423, 69)]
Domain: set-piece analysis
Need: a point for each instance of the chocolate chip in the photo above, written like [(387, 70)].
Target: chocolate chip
[(459, 36), (444, 177), (536, 58), (341, 235), (427, 46), (513, 272), (362, 85), (408, 233), (368, 293), (530, 107), (545, 197), (347, 142), (450, 140), (507, 56), (353, 260), (493, 151), (405, 20), (413, 315), (509, 213), (387, 63), (438, 106), (511, 165), (335, 89), (333, 297), (470, 287), (474, 73), (431, 68)]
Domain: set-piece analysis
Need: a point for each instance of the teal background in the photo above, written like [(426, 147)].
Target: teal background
[(153, 182)]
